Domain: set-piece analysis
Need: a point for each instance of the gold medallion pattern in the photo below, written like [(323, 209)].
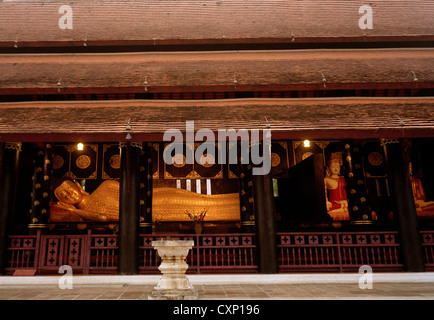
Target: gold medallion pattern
[(375, 158), (207, 160), (83, 161), (275, 159), (57, 162), (178, 160), (115, 161)]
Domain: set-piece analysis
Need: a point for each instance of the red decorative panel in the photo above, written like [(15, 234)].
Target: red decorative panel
[(299, 239), (75, 251), (16, 242), (375, 239), (233, 241), (313, 239), (102, 253), (57, 250), (285, 239), (207, 241), (247, 240), (427, 239), (51, 252), (347, 239), (361, 239), (389, 238), (22, 253), (327, 239), (147, 241)]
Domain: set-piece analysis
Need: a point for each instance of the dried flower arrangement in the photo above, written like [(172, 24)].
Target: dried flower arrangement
[(196, 217)]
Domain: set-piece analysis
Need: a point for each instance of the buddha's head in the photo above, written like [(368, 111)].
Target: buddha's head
[(335, 168), (69, 193), (334, 164)]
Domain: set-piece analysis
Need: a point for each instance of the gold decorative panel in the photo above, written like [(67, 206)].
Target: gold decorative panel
[(155, 161), (111, 162), (75, 164), (301, 152), (205, 168), (375, 165), (279, 157), (209, 166), (181, 169)]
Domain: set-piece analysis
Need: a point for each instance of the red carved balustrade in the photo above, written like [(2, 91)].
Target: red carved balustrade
[(334, 251), (297, 251), (427, 239), (210, 253)]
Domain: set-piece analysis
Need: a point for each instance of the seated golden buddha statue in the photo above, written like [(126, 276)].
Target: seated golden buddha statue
[(424, 208), (336, 196), (169, 203)]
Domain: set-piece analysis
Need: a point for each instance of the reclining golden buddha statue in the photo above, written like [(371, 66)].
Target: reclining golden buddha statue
[(170, 204)]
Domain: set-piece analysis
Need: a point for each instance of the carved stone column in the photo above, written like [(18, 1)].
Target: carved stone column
[(41, 190), (403, 202), (9, 155), (129, 207)]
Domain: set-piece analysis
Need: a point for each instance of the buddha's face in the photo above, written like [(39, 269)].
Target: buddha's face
[(69, 193), (335, 168)]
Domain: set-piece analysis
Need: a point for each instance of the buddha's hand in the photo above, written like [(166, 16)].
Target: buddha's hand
[(344, 204)]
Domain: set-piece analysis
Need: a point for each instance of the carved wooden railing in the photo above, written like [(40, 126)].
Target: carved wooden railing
[(102, 254), (336, 251), (297, 251), (210, 253), (23, 252), (427, 239), (95, 253)]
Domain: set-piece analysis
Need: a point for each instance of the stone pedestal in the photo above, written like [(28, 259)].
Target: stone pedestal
[(174, 284)]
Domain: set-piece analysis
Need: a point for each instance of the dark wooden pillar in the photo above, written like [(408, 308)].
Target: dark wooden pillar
[(129, 207), (41, 190), (146, 189), (265, 223), (358, 204), (9, 156), (247, 210), (404, 207)]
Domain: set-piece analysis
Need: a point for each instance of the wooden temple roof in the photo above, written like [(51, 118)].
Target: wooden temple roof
[(288, 118), (151, 25), (154, 22), (216, 71)]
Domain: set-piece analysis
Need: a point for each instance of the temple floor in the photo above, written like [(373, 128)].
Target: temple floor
[(331, 286)]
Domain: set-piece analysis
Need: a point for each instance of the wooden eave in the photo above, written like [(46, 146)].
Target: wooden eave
[(320, 118), (216, 71), (166, 22)]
